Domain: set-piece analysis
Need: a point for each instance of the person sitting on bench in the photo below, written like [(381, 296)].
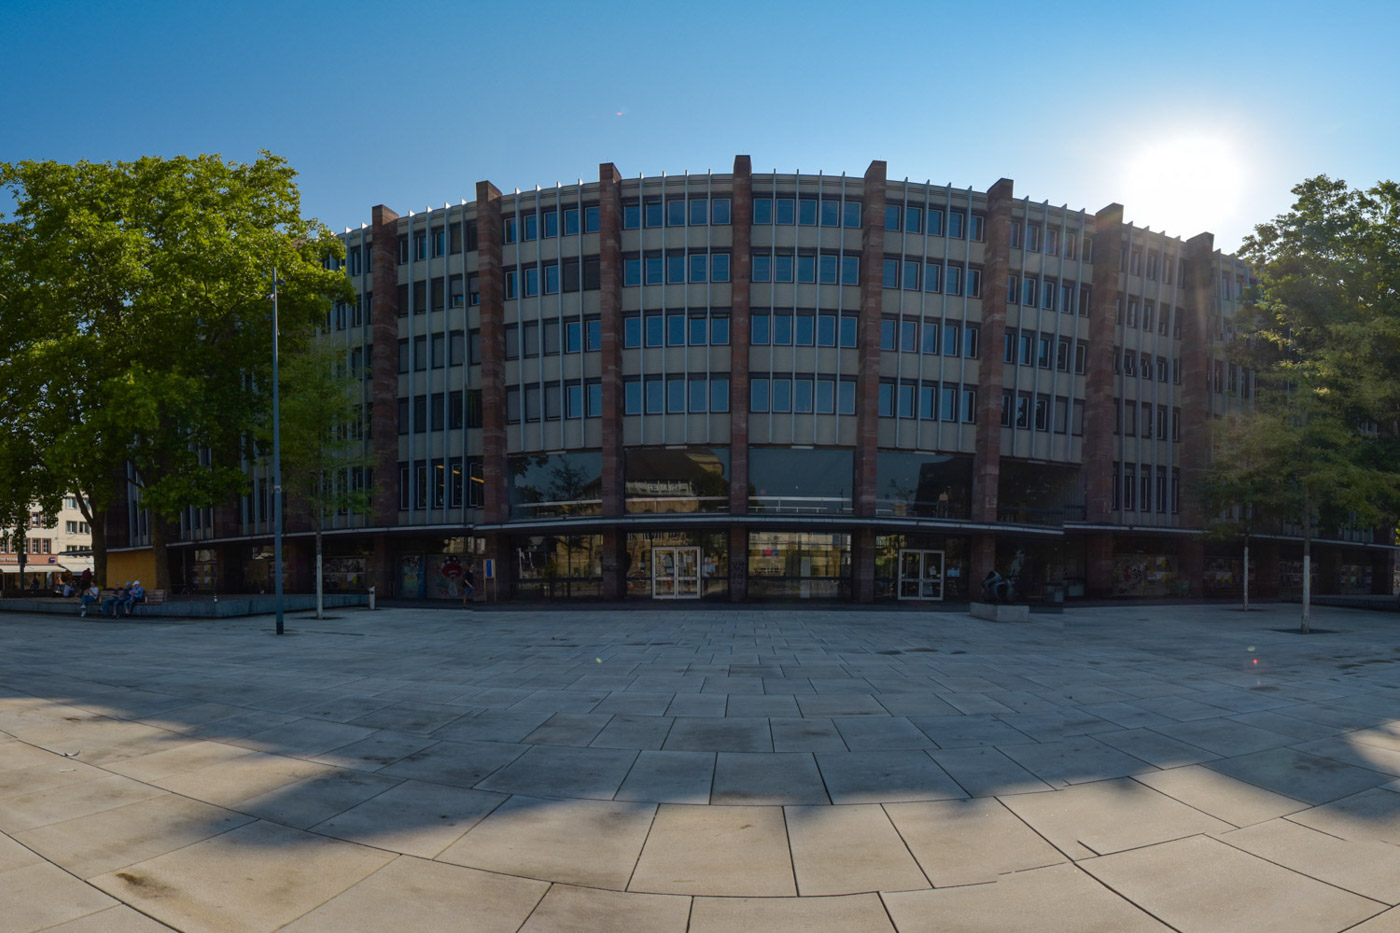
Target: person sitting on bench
[(134, 595), (91, 595), (112, 603)]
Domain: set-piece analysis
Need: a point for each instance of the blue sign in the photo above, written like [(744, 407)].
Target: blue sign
[(489, 568)]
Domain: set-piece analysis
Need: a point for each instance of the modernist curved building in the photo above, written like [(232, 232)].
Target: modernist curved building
[(757, 386)]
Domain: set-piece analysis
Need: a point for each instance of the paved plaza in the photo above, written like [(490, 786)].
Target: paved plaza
[(598, 770)]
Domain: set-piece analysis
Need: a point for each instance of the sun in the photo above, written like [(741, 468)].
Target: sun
[(1183, 185)]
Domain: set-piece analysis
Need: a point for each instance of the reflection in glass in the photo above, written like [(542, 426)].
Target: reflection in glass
[(923, 485), (800, 481), (558, 566), (694, 479), (545, 485), (799, 565)]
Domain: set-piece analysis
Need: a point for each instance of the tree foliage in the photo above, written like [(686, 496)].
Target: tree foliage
[(136, 319), (1321, 330)]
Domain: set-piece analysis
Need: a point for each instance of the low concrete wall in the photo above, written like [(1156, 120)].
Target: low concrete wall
[(1001, 612), (226, 608)]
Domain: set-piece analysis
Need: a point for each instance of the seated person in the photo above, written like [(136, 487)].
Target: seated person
[(134, 595), (113, 602), (91, 595)]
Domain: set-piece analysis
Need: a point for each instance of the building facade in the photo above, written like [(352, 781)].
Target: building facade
[(55, 546), (776, 386)]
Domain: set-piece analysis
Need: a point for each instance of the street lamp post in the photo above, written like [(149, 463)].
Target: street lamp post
[(276, 463)]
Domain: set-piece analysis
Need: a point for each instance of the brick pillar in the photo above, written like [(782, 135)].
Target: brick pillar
[(986, 461), (738, 563), (1191, 565), (982, 558), (381, 568), (228, 521), (384, 367), (872, 257), (1099, 389), (1383, 573), (1098, 565), (491, 280), (863, 560), (498, 548), (610, 307), (614, 567), (1194, 451), (741, 273)]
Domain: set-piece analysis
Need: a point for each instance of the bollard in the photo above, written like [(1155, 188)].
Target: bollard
[(371, 599)]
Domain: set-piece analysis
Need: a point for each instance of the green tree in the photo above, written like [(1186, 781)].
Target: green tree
[(322, 411), (136, 316), (1321, 329), (25, 484)]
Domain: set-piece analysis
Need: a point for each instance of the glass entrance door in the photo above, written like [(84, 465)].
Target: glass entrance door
[(920, 574), (675, 572)]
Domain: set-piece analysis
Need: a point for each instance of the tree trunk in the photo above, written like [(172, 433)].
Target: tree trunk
[(97, 524), (159, 552), (1246, 575), (320, 602)]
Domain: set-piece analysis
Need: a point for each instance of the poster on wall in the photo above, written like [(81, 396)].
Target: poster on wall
[(411, 576), (442, 576)]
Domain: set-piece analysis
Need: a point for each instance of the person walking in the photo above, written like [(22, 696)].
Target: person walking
[(468, 584)]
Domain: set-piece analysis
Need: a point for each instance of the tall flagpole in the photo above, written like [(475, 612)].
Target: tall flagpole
[(276, 462)]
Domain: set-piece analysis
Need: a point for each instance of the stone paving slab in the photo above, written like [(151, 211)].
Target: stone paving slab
[(1203, 884), (758, 768)]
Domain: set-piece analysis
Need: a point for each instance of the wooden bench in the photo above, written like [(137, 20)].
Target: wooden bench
[(153, 598)]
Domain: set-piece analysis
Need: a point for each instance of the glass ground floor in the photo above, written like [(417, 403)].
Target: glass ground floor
[(684, 561)]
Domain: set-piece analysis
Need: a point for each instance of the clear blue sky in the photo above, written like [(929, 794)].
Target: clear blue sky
[(1194, 115)]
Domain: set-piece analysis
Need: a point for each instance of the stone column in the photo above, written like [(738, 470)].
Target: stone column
[(986, 461), (738, 563), (741, 269), (872, 258), (384, 367), (1098, 565), (491, 282), (1194, 451), (1099, 389)]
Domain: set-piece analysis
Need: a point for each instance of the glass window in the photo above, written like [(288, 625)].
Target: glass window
[(593, 333), (909, 336), (891, 216), (570, 221), (763, 210), (826, 269), (698, 264), (850, 270), (851, 215), (719, 330), (955, 224), (890, 273), (782, 268), (887, 330), (906, 400), (653, 270), (675, 330), (758, 394), (932, 278), (846, 397), (950, 338), (719, 267), (675, 212), (782, 329), (656, 395), (785, 211), (652, 212), (807, 212), (910, 280), (949, 408), (551, 223), (719, 210), (632, 396), (952, 281), (675, 269), (758, 330), (762, 267), (930, 335), (719, 393), (699, 212), (826, 330), (573, 337), (781, 388), (802, 396), (594, 391), (850, 326), (809, 480), (631, 331), (806, 269), (831, 213), (632, 271), (805, 335), (913, 219), (826, 396), (592, 219), (935, 223), (697, 330), (675, 395), (655, 334), (573, 400)]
